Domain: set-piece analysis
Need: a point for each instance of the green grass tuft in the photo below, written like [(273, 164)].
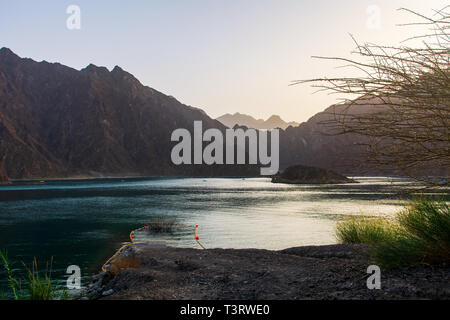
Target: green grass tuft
[(12, 281), (428, 223), (39, 286), (402, 252), (419, 234)]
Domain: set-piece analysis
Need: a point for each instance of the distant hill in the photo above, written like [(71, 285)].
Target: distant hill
[(230, 120)]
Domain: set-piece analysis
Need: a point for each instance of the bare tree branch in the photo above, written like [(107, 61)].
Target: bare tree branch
[(402, 104)]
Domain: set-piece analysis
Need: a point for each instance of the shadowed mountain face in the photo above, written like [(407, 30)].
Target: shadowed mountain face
[(56, 121), (230, 120), (313, 144), (3, 176)]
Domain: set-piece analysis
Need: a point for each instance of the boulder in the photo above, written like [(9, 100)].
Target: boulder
[(310, 175)]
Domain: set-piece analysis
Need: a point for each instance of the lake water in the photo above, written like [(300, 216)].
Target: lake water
[(83, 222)]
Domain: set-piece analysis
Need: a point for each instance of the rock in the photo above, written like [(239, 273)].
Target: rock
[(186, 265), (156, 244), (94, 289), (313, 272), (309, 175), (98, 276), (108, 292)]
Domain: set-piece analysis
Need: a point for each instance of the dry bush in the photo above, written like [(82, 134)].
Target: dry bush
[(162, 224), (404, 91)]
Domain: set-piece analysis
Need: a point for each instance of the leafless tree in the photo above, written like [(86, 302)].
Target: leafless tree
[(401, 100)]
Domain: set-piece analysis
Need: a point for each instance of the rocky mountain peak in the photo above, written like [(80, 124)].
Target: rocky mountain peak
[(92, 68), (274, 121), (92, 122), (8, 56), (4, 51)]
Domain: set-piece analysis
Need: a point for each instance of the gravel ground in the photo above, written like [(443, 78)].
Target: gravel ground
[(311, 272)]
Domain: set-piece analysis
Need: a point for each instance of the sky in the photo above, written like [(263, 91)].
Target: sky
[(223, 56)]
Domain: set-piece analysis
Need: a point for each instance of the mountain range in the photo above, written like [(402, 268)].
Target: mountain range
[(273, 122), (59, 122), (56, 121)]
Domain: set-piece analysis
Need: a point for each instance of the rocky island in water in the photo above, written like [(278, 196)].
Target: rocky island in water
[(310, 175)]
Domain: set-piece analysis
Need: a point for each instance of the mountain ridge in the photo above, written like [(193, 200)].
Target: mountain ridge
[(273, 122), (56, 121), (59, 122)]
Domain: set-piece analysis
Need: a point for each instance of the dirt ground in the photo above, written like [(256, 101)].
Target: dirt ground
[(311, 272)]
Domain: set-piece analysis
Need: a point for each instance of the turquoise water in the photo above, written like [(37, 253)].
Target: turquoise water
[(83, 222)]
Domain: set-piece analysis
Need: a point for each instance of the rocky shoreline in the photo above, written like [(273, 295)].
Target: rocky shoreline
[(148, 271)]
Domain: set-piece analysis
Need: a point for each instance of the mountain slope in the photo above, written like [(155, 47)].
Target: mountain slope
[(313, 143), (56, 121)]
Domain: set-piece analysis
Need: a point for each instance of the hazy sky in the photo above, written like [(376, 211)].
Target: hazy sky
[(223, 56)]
